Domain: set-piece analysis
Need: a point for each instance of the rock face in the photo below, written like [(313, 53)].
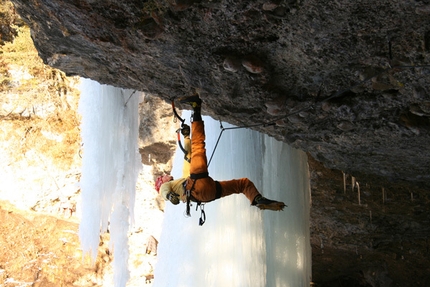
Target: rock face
[(347, 82), (375, 237)]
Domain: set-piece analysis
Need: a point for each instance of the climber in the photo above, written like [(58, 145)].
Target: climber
[(199, 186)]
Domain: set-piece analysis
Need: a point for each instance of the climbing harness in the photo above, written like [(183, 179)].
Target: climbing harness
[(190, 198), (201, 205), (194, 178)]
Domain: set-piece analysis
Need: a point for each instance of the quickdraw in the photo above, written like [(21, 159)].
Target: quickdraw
[(189, 197)]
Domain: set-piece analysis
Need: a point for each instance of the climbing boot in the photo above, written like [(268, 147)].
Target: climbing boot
[(264, 203), (193, 100), (196, 103)]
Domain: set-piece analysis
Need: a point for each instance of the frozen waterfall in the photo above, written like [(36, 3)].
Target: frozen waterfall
[(110, 166), (238, 245)]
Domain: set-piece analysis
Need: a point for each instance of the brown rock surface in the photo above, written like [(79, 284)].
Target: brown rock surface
[(379, 242), (360, 69)]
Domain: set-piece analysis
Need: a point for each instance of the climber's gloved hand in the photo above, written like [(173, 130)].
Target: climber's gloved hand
[(185, 130), (173, 197)]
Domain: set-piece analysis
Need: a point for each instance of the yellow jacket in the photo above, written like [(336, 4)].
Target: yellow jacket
[(186, 166), (177, 186)]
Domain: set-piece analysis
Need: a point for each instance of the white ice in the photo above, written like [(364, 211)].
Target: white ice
[(110, 166)]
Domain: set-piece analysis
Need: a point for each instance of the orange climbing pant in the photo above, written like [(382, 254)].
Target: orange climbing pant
[(204, 189)]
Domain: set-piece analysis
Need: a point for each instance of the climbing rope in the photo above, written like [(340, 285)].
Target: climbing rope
[(126, 102)]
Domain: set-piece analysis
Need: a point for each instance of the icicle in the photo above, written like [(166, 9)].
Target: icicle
[(110, 166)]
